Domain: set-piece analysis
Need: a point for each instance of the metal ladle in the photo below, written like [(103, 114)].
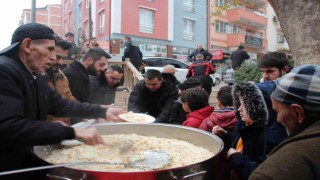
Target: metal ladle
[(149, 160)]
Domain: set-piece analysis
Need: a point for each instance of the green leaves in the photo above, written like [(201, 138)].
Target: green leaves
[(249, 71)]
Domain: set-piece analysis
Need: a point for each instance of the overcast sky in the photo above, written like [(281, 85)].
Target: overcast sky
[(10, 13)]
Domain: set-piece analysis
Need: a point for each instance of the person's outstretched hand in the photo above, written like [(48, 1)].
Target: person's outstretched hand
[(88, 136), (219, 131), (112, 114)]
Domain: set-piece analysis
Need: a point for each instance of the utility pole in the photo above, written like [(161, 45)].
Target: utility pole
[(90, 21), (33, 11)]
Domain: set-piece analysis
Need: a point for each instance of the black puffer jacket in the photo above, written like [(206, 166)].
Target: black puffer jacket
[(156, 103), (206, 55), (254, 135), (78, 81), (100, 91)]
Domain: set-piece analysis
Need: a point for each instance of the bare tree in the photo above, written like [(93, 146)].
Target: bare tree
[(300, 23)]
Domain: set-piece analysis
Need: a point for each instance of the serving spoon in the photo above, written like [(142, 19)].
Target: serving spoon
[(148, 160)]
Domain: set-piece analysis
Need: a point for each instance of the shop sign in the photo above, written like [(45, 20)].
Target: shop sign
[(217, 54)]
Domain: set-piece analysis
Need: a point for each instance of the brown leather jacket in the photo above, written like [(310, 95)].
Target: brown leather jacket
[(60, 83)]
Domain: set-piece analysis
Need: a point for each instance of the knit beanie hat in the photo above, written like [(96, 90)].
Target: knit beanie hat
[(300, 86)]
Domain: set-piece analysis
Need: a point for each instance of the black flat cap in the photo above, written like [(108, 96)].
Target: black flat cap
[(31, 30)]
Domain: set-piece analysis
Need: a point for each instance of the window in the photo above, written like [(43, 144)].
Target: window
[(226, 28), (188, 5), (154, 62), (101, 22), (146, 21), (188, 29), (222, 3), (280, 38)]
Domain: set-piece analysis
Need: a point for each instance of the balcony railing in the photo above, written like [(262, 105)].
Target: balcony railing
[(249, 17), (249, 10)]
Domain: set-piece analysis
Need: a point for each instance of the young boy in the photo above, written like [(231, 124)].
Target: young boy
[(195, 102), (248, 146), (178, 115), (224, 117)]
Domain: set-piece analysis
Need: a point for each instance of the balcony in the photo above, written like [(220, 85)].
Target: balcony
[(258, 3), (253, 41), (247, 16)]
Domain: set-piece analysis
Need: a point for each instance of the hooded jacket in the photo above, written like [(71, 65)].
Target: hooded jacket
[(195, 118), (253, 136), (224, 118)]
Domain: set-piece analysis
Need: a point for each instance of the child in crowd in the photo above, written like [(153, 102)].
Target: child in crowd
[(195, 102), (223, 117), (178, 115), (248, 146)]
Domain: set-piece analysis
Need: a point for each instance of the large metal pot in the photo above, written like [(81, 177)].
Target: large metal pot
[(200, 170)]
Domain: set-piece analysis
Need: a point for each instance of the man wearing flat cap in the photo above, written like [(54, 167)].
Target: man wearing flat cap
[(26, 100), (296, 99)]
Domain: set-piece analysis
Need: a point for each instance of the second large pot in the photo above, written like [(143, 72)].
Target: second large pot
[(200, 170)]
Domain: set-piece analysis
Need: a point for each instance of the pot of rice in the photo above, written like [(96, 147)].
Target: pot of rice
[(193, 153)]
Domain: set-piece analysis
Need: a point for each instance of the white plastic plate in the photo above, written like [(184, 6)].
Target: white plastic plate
[(137, 118)]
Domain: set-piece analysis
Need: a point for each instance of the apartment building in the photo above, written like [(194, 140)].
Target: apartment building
[(168, 28), (276, 38), (49, 15), (233, 24)]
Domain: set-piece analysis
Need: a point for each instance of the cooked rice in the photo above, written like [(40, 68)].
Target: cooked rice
[(182, 153)]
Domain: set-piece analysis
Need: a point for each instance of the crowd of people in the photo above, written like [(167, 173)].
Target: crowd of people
[(270, 129)]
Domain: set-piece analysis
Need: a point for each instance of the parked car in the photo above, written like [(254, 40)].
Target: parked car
[(158, 63), (228, 77), (181, 67)]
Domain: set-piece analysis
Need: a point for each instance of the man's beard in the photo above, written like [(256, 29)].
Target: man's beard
[(55, 67), (91, 70)]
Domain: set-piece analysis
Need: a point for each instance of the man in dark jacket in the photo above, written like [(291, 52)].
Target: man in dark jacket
[(238, 56), (93, 62), (296, 99), (154, 96), (207, 56), (26, 100), (132, 52), (103, 87), (73, 52)]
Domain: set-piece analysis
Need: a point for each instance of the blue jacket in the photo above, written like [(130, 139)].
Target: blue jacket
[(275, 132)]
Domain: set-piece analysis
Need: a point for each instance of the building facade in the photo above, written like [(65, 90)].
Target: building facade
[(189, 26), (167, 28), (49, 15), (276, 40), (241, 23)]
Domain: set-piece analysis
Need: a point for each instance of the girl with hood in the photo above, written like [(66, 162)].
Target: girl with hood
[(195, 102), (248, 140)]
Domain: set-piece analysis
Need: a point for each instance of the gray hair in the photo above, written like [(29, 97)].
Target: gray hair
[(169, 66)]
